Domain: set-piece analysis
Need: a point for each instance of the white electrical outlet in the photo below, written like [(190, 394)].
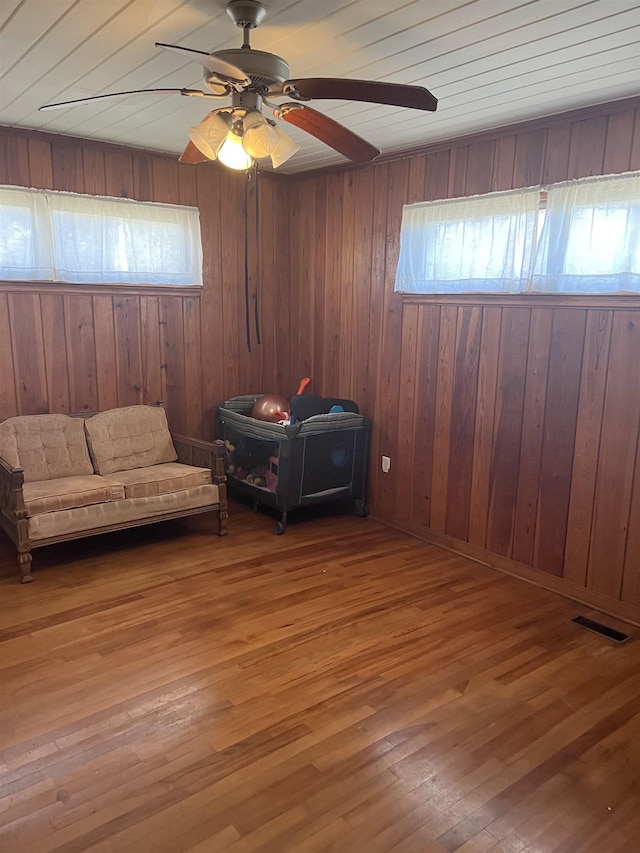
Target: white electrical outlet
[(386, 464)]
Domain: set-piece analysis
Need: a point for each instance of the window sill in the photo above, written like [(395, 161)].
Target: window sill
[(529, 300), (119, 289)]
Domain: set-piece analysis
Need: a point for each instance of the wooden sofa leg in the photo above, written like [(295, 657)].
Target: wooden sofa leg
[(223, 515), (24, 561)]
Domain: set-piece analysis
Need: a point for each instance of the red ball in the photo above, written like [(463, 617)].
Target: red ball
[(271, 407)]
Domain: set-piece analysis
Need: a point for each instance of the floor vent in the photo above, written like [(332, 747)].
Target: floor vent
[(603, 630)]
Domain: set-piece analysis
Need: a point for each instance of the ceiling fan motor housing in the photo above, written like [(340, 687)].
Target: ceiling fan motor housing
[(263, 69)]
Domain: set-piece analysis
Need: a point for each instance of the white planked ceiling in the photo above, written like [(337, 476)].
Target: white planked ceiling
[(489, 62)]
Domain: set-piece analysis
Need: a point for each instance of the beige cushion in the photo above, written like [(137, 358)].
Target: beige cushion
[(69, 492), (131, 437), (45, 446), (160, 479), (92, 518)]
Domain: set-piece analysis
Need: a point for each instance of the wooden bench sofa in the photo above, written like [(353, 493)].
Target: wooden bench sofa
[(64, 477)]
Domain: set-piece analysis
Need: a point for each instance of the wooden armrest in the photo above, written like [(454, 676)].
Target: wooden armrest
[(11, 497), (205, 454)]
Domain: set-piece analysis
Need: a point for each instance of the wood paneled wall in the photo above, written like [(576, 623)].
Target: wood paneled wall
[(71, 348), (512, 424)]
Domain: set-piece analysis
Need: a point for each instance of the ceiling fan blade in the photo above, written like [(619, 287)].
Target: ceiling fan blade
[(333, 134), (222, 69), (192, 155), (64, 104), (394, 94)]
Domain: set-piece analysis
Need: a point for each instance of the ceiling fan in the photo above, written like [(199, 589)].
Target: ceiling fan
[(239, 134)]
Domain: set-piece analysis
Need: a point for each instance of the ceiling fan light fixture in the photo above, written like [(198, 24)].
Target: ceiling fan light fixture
[(259, 138), (285, 148), (209, 135), (233, 155)]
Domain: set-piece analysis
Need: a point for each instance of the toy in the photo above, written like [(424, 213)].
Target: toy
[(271, 474), (273, 408), (303, 384)]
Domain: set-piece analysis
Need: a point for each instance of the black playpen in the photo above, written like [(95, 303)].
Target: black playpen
[(321, 459)]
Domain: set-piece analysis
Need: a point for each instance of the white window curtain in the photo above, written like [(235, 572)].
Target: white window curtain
[(94, 240), (25, 237), (590, 240), (481, 244)]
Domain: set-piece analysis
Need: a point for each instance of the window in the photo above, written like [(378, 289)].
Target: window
[(52, 236), (587, 240), (590, 241)]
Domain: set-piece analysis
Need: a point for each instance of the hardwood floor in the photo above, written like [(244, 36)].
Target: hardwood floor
[(343, 687)]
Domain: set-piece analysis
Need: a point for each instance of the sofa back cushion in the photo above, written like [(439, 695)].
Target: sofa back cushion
[(131, 437), (45, 446)]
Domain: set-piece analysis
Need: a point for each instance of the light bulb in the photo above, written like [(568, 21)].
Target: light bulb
[(259, 138), (209, 135), (285, 148), (233, 155)]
